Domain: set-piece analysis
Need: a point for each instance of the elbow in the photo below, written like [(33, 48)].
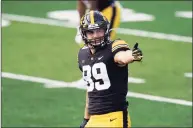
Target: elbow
[(121, 61)]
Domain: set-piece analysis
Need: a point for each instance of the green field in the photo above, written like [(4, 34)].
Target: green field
[(50, 52)]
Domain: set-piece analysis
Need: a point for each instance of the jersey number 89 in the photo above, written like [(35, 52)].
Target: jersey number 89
[(99, 72)]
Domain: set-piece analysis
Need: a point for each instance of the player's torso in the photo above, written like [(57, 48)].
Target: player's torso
[(106, 82), (101, 4)]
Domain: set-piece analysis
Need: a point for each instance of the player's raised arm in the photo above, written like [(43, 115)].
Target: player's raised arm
[(123, 55)]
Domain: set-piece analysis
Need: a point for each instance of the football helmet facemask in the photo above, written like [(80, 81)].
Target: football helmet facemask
[(91, 21)]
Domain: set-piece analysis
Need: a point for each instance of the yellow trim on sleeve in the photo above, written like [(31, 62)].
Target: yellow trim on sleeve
[(119, 44)]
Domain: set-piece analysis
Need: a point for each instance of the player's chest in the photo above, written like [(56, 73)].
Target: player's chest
[(101, 57)]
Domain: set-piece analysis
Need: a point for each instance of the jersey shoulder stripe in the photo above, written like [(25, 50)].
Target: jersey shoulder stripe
[(119, 44)]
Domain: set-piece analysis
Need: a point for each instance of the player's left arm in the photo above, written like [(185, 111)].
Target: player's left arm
[(123, 55), (86, 114)]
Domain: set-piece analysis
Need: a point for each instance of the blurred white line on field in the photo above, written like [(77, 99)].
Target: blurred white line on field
[(126, 31), (5, 23), (188, 74), (183, 14), (80, 85)]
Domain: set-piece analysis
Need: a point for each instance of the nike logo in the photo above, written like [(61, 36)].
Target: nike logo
[(113, 119), (100, 58)]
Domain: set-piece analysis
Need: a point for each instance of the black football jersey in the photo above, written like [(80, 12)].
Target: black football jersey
[(107, 83), (102, 4)]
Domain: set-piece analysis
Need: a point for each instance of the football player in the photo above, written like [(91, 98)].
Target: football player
[(111, 9), (104, 66)]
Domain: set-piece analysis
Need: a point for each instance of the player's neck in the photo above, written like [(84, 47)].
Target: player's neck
[(92, 51)]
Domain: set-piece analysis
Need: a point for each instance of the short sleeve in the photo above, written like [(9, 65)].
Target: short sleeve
[(119, 45)]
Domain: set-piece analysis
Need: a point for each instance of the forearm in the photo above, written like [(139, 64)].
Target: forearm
[(124, 57), (86, 114)]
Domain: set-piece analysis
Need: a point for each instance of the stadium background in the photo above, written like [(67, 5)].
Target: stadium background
[(45, 48)]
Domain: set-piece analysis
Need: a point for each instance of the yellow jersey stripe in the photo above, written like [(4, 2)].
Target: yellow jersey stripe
[(92, 17), (120, 46), (118, 42)]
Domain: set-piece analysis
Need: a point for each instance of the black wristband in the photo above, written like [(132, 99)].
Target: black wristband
[(84, 122)]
